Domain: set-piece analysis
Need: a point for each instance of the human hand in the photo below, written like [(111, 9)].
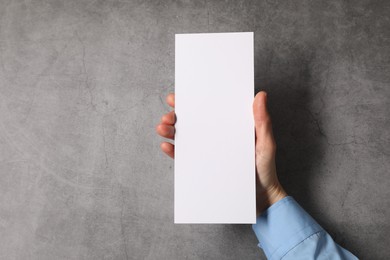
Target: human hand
[(268, 188), (166, 127)]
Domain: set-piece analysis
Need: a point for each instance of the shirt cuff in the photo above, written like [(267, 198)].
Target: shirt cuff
[(282, 227)]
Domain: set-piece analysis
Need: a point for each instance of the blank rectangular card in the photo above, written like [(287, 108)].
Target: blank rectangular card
[(214, 140)]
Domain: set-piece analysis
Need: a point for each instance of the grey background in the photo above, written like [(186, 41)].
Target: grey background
[(83, 85)]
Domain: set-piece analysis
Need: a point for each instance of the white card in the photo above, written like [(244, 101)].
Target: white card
[(215, 179)]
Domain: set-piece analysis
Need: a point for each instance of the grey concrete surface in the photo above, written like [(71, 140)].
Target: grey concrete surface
[(83, 85)]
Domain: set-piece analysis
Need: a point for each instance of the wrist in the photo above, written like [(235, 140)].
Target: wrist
[(269, 196)]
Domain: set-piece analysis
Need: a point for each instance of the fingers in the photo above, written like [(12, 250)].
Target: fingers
[(171, 99), (166, 127), (169, 118), (168, 148), (166, 131)]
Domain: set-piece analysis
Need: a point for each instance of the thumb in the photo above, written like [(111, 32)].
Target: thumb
[(260, 112), (264, 136)]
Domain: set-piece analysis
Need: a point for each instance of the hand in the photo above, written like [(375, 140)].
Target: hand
[(268, 188), (166, 127)]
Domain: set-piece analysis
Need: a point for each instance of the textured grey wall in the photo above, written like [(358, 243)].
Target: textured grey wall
[(83, 85)]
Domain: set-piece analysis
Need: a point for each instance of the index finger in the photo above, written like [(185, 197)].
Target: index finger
[(171, 99)]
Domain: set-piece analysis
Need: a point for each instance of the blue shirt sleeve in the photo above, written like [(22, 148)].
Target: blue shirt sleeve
[(286, 231)]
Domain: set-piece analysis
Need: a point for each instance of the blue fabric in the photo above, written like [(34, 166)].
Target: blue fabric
[(286, 231)]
